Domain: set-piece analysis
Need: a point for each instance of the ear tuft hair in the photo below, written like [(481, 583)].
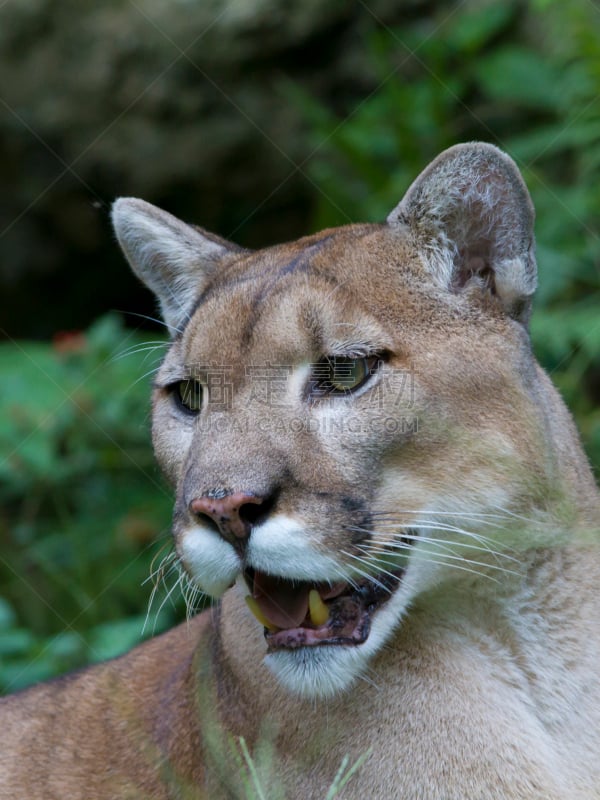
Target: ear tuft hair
[(471, 215)]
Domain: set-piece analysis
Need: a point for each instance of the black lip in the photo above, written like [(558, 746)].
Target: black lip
[(350, 612), (349, 620)]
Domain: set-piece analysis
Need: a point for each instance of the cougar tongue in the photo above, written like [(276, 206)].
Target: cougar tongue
[(283, 603)]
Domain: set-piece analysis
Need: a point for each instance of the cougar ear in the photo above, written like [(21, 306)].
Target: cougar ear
[(471, 216), (173, 259)]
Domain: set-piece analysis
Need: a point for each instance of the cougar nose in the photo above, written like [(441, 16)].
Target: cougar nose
[(234, 514)]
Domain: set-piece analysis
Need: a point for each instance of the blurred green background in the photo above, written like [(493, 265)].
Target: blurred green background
[(260, 121)]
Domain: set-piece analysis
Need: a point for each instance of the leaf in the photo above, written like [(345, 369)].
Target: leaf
[(16, 642), (471, 30), (111, 639), (8, 617), (516, 75)]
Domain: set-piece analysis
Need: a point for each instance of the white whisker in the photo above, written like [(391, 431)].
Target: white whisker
[(392, 519), (168, 565), (155, 319), (514, 515), (485, 544), (428, 512), (445, 563), (454, 557), (446, 545), (153, 371), (192, 594), (167, 597), (369, 575), (141, 347), (442, 525)]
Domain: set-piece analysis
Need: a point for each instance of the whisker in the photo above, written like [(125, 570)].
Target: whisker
[(497, 554), (153, 593), (154, 319), (485, 543), (441, 525), (169, 565), (191, 594), (369, 576), (376, 560), (454, 557), (461, 566), (364, 676), (163, 562), (475, 515), (140, 347), (153, 371), (477, 572), (428, 512), (514, 515), (168, 596), (415, 522)]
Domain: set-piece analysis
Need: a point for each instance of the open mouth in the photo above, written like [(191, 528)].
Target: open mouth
[(303, 614)]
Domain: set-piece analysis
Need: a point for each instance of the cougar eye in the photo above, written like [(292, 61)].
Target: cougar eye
[(189, 394), (339, 375)]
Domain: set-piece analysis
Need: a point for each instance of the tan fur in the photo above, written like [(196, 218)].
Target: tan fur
[(480, 675)]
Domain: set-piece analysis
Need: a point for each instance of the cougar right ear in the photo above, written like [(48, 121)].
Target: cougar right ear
[(471, 216), (175, 260)]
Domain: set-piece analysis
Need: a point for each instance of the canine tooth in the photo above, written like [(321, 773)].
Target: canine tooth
[(256, 611), (319, 613)]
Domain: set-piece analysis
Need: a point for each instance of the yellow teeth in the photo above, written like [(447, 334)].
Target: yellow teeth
[(319, 613), (255, 609)]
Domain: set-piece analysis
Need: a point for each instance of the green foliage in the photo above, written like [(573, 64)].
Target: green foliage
[(525, 76), (80, 493)]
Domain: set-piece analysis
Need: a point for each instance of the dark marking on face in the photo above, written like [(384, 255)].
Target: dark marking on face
[(299, 264), (363, 533), (352, 504), (215, 288)]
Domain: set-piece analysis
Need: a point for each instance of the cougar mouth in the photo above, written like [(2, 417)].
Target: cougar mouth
[(303, 614)]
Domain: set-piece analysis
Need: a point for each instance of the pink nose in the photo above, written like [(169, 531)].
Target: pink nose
[(231, 513)]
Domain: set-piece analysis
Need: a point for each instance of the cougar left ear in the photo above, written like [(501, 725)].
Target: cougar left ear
[(471, 216), (175, 260)]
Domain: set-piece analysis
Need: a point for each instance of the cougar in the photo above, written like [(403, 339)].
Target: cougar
[(390, 505)]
